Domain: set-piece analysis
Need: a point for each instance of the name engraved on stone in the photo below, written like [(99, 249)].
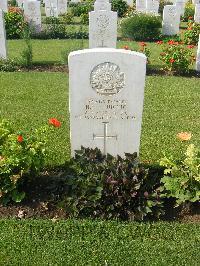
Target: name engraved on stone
[(106, 109), (107, 79)]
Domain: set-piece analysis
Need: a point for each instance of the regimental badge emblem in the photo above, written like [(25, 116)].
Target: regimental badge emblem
[(107, 79)]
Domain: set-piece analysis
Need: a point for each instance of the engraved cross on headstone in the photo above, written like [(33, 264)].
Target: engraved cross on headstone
[(105, 136)]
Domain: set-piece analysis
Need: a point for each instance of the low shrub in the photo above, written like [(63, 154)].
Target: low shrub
[(182, 177), (8, 65), (109, 187), (27, 53), (14, 23), (191, 35), (52, 20), (176, 57), (143, 48), (21, 155), (189, 12), (141, 27), (67, 18), (84, 19), (77, 9), (120, 6)]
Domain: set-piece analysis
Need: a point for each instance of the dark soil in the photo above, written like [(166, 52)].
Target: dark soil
[(44, 68)]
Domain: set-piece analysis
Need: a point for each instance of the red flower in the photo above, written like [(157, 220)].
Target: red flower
[(171, 60), (190, 18), (54, 122), (190, 46), (126, 47), (171, 42), (159, 42), (143, 44), (20, 138), (189, 28)]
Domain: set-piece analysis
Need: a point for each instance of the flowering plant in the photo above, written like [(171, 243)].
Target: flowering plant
[(182, 177), (145, 50), (20, 155), (176, 57), (191, 35)]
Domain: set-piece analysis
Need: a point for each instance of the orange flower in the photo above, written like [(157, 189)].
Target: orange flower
[(20, 138), (54, 122), (171, 42), (190, 28), (190, 46), (143, 44), (171, 60), (126, 47), (184, 136), (159, 42)]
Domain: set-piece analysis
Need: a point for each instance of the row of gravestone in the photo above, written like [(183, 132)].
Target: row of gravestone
[(106, 89)]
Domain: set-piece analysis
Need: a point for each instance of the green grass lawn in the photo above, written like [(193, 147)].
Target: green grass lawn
[(87, 242), (171, 106)]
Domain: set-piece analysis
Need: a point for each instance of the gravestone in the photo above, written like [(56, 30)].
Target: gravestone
[(3, 48), (102, 25), (195, 2), (198, 57), (141, 6), (20, 3), (4, 5), (62, 7), (197, 13), (51, 8), (171, 20), (180, 4), (33, 14), (129, 2), (106, 99), (152, 7)]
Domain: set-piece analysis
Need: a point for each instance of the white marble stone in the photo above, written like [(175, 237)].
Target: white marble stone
[(198, 57), (141, 6), (51, 8), (106, 99), (102, 25), (180, 4), (197, 13), (20, 3), (4, 5), (3, 47), (196, 2), (62, 7), (152, 7), (129, 2), (33, 14), (171, 20)]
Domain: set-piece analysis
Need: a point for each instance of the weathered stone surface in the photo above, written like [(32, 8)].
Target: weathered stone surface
[(198, 57), (62, 7), (4, 5), (197, 13), (51, 8), (33, 14), (3, 47), (171, 20)]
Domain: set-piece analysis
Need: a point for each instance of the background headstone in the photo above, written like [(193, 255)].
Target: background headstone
[(129, 2), (4, 5), (62, 7), (197, 13), (51, 8), (102, 25), (106, 99), (3, 48), (198, 57), (180, 4), (171, 20), (33, 14), (152, 7), (20, 3), (141, 6)]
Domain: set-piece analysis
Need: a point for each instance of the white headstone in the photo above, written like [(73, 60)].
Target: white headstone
[(51, 8), (33, 14), (141, 5), (171, 20), (62, 7), (102, 25), (20, 3), (180, 4), (3, 48), (197, 13), (196, 2), (129, 2), (4, 5), (106, 99), (198, 57), (152, 7)]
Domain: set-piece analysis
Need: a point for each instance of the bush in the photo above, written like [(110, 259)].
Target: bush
[(14, 23), (81, 8), (189, 12), (7, 65), (84, 19), (120, 6), (109, 187), (191, 35), (67, 18), (176, 57), (182, 177), (141, 27)]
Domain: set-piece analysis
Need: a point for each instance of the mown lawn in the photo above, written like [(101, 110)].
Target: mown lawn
[(171, 106), (87, 242)]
